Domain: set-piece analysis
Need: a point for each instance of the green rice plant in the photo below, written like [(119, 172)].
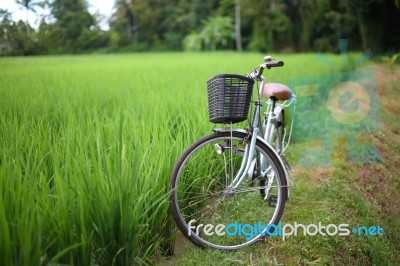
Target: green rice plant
[(87, 145)]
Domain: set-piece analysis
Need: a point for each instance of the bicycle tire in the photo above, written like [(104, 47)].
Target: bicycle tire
[(184, 196)]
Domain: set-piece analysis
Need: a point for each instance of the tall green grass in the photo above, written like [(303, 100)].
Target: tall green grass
[(87, 145)]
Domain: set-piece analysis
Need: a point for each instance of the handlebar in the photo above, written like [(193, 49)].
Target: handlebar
[(269, 62), (275, 64), (269, 65)]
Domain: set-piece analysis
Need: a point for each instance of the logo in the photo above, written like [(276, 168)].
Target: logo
[(280, 230), (342, 104), (356, 102)]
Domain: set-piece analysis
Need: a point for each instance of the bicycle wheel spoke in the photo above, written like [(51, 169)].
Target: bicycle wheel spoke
[(203, 189)]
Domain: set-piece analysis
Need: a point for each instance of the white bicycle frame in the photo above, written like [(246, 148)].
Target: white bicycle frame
[(249, 161)]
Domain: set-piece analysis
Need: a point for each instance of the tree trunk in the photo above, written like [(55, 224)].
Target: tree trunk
[(237, 28), (129, 31), (371, 31), (28, 29)]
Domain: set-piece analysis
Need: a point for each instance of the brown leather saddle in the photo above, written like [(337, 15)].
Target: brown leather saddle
[(276, 91)]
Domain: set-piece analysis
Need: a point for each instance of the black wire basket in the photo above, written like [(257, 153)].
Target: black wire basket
[(229, 98)]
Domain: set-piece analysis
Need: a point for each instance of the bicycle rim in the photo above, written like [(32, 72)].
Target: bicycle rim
[(219, 216)]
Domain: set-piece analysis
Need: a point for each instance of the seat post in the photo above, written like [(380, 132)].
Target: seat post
[(273, 102)]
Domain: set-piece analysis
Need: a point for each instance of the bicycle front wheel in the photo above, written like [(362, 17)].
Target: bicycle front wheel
[(207, 207)]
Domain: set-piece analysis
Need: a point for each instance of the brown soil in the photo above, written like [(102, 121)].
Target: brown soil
[(380, 183)]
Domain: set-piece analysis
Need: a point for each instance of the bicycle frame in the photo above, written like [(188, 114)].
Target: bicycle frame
[(273, 111), (249, 153)]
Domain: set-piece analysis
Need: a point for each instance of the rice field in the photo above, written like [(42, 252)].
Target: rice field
[(87, 145)]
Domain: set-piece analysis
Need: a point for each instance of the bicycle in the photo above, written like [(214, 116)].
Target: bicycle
[(235, 178)]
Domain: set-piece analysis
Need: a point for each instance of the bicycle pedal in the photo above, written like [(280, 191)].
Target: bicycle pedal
[(272, 200)]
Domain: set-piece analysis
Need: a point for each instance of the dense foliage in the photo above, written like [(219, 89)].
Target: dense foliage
[(283, 25)]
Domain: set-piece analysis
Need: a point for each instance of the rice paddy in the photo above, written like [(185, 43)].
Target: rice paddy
[(87, 145)]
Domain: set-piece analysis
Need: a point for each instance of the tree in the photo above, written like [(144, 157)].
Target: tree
[(217, 33), (238, 35), (123, 20), (378, 22), (304, 14), (334, 23), (6, 27), (71, 19), (29, 6), (300, 25), (266, 21), (13, 37)]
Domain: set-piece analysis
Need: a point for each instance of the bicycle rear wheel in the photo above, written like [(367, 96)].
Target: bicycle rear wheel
[(207, 210)]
